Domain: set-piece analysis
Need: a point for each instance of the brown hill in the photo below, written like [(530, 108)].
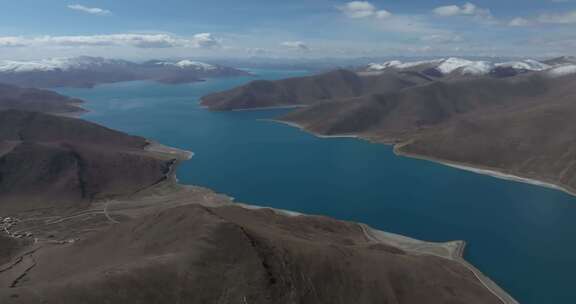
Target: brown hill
[(194, 254), (46, 158), (12, 97), (519, 125), (309, 90)]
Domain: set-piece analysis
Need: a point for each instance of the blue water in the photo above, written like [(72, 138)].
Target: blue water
[(520, 235)]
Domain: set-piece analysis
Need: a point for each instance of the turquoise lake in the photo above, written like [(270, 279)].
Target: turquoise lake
[(520, 235)]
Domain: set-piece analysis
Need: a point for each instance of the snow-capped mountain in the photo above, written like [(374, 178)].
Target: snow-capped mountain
[(397, 64), (189, 64), (62, 64), (459, 66), (89, 71)]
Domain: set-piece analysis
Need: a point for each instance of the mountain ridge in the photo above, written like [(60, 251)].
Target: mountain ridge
[(85, 71)]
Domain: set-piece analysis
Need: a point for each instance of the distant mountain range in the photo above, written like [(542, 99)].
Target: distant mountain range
[(90, 71), (457, 67), (451, 110)]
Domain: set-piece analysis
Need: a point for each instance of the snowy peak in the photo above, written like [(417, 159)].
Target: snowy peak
[(396, 64), (459, 66), (189, 64), (466, 67), (444, 66)]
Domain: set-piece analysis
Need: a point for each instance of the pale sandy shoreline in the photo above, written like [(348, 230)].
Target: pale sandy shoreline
[(287, 107), (485, 171), (461, 166), (179, 154), (295, 125), (452, 250)]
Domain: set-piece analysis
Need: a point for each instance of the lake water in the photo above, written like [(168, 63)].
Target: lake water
[(520, 235)]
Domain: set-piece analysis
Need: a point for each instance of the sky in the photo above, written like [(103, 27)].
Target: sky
[(144, 29)]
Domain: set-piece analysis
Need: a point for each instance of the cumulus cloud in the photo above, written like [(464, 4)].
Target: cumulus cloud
[(203, 40), (297, 45), (363, 9), (442, 38), (89, 10), (467, 9), (562, 18), (566, 18), (519, 21), (11, 42)]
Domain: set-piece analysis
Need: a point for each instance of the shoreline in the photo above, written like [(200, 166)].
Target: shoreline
[(303, 129), (451, 250), (179, 154), (287, 107), (493, 172)]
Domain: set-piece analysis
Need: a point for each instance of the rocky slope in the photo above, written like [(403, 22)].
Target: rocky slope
[(90, 71), (88, 215)]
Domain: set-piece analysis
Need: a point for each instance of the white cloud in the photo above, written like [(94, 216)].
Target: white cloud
[(442, 38), (563, 18), (467, 9), (362, 9), (519, 21), (203, 41), (297, 45), (89, 10), (11, 42)]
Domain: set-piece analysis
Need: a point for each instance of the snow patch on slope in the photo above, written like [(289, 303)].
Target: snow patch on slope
[(563, 70), (400, 65), (189, 64), (528, 64), (465, 66)]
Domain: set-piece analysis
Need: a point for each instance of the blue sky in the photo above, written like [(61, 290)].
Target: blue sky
[(296, 28)]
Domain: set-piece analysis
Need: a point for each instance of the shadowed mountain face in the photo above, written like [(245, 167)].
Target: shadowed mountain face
[(90, 71), (51, 159), (329, 86), (195, 254), (12, 97)]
